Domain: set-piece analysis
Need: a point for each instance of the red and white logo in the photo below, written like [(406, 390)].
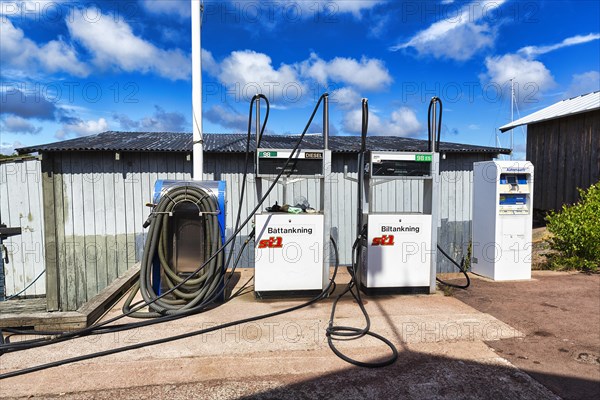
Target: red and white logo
[(385, 240), (274, 242)]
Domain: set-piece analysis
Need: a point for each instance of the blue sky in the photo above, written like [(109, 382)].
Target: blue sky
[(70, 69)]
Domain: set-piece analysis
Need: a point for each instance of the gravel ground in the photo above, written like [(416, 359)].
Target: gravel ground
[(559, 313)]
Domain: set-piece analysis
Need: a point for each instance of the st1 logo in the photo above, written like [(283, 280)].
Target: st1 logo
[(385, 240), (271, 243)]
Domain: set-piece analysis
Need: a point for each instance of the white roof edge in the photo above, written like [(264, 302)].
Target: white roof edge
[(572, 106)]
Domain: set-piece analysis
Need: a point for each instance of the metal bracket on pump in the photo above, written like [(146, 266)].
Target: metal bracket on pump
[(290, 248), (399, 254)]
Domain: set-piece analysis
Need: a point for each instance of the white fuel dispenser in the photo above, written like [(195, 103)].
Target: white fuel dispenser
[(399, 253), (290, 249)]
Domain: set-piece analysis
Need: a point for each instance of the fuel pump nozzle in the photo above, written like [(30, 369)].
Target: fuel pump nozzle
[(433, 125), (360, 228)]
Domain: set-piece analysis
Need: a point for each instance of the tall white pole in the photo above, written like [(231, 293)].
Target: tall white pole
[(198, 146), (512, 117)]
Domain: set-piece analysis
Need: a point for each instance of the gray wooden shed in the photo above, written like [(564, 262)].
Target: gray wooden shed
[(95, 189), (563, 144)]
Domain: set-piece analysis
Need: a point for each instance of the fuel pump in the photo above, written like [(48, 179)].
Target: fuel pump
[(290, 241), (399, 248)]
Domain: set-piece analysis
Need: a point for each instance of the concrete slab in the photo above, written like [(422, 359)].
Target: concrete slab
[(440, 339)]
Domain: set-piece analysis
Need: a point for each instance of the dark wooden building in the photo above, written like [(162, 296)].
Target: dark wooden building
[(563, 143)]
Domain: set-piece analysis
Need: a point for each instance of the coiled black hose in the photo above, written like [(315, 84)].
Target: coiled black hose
[(187, 292), (336, 332)]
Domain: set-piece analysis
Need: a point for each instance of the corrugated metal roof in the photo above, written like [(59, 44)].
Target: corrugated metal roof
[(575, 105), (236, 143)]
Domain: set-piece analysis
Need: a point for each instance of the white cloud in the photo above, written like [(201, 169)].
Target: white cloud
[(379, 25), (208, 63), (355, 7), (251, 72), (18, 51), (402, 122), (584, 83), (59, 56), (8, 148), (181, 8), (248, 72), (16, 124), (533, 51), (368, 73), (530, 76), (114, 45), (82, 128), (458, 37), (345, 98)]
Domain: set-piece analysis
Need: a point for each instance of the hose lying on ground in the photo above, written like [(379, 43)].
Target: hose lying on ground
[(462, 269)]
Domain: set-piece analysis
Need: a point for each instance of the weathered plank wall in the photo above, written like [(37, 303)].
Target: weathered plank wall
[(21, 206), (97, 210), (566, 155)]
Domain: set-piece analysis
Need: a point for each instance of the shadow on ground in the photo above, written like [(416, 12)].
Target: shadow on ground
[(414, 376)]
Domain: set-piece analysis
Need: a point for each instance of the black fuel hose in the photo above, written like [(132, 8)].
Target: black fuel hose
[(460, 266), (343, 333), (246, 164), (432, 137)]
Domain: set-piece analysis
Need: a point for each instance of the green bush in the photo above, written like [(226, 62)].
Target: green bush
[(576, 233)]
